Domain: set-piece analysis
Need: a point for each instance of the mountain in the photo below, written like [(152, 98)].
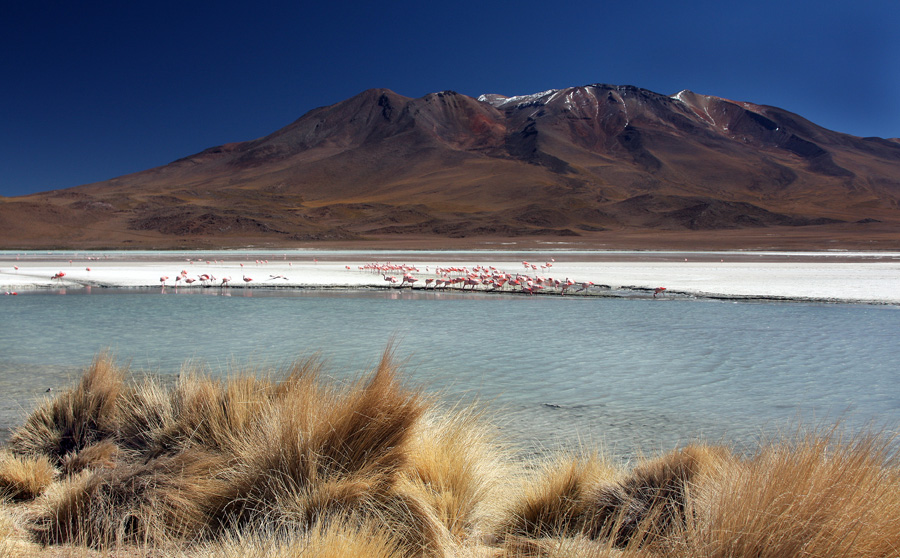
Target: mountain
[(597, 166)]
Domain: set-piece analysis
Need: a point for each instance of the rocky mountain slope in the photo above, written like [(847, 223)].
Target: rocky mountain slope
[(593, 165)]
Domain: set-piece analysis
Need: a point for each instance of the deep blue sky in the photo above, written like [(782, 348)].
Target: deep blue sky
[(94, 90)]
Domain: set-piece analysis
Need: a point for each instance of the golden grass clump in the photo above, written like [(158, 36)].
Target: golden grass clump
[(24, 477), (301, 465), (170, 497), (337, 539), (461, 471), (210, 456), (147, 419), (324, 451), (13, 543), (648, 502), (555, 503), (75, 419), (818, 495)]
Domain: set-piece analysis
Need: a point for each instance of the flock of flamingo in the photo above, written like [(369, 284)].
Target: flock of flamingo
[(483, 277), (479, 277), (209, 280), (531, 280)]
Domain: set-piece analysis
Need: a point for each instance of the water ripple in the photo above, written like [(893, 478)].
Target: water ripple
[(629, 374)]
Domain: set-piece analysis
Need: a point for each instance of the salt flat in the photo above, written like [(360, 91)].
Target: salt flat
[(869, 277)]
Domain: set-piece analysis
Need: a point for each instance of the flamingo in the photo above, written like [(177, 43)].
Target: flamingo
[(585, 286), (163, 280), (247, 279), (658, 290)]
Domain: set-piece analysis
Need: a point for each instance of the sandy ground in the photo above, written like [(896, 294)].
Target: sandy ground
[(869, 277)]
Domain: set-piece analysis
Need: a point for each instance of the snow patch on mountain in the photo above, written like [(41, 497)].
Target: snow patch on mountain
[(502, 102)]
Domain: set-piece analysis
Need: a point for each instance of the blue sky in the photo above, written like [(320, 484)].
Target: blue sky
[(94, 90)]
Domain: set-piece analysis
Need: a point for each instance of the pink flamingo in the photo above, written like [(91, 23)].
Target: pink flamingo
[(585, 286), (247, 279), (658, 290), (474, 281)]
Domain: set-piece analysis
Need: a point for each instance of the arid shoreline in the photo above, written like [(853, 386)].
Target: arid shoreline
[(856, 277)]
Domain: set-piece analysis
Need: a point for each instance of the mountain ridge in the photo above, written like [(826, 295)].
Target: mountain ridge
[(595, 163)]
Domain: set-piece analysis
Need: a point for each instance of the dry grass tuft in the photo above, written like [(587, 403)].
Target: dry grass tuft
[(305, 466), (75, 419), (100, 455), (169, 497), (146, 419), (213, 414), (557, 503), (326, 451), (210, 456), (817, 496), (460, 470), (12, 543), (650, 500), (24, 478), (336, 539)]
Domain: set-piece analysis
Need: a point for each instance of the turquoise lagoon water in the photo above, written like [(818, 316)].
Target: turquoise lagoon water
[(627, 375)]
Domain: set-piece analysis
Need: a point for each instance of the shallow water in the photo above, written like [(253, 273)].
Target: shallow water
[(628, 375)]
